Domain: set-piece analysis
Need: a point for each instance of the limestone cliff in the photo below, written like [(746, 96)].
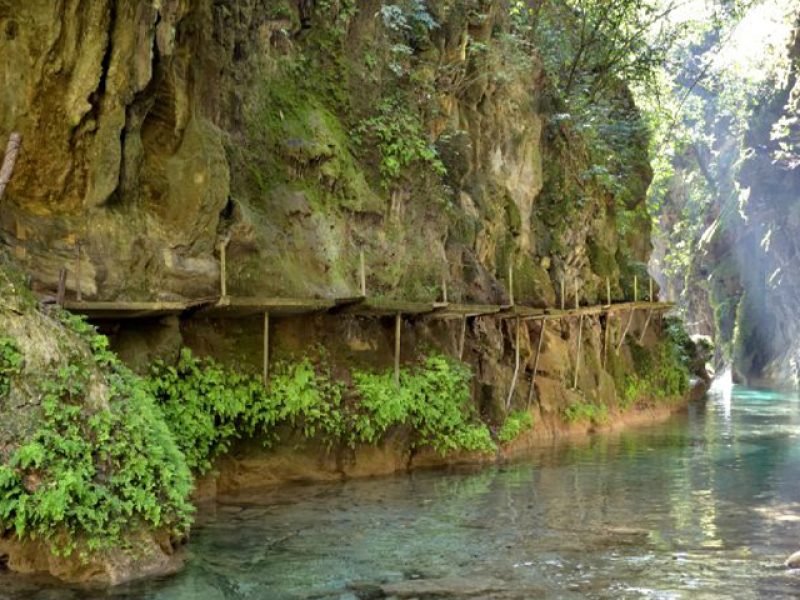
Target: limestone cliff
[(767, 327), (301, 133), (152, 131)]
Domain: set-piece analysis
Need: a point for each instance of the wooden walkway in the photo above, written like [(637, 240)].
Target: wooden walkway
[(231, 307), (239, 307), (225, 306)]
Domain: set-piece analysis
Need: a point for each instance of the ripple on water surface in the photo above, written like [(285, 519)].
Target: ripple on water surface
[(704, 506)]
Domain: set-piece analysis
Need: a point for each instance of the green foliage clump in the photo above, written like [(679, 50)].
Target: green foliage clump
[(10, 363), (433, 399), (399, 136), (516, 423), (101, 461), (579, 412), (661, 373), (209, 406)]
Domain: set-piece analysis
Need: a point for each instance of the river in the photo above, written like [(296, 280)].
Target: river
[(706, 505)]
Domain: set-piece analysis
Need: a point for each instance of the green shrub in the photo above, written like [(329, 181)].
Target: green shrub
[(100, 463), (208, 406), (580, 412), (661, 373), (433, 399), (398, 133), (10, 363), (515, 423)]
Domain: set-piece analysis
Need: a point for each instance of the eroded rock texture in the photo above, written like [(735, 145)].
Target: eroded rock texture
[(154, 129)]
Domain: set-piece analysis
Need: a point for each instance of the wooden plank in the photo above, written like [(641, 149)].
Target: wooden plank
[(536, 362), (511, 283), (457, 311), (348, 300), (626, 306), (646, 323), (239, 307), (521, 312), (78, 273), (362, 273), (381, 307), (397, 329), (463, 338), (625, 331), (124, 310), (584, 310), (577, 296), (578, 356), (516, 368), (223, 269), (265, 355), (62, 287)]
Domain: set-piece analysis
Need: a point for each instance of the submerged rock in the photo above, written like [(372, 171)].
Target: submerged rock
[(446, 587), (153, 557), (793, 562)]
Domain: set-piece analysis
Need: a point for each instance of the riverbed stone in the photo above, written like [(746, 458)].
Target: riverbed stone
[(793, 562)]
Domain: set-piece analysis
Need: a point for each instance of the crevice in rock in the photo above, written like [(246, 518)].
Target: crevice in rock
[(96, 97)]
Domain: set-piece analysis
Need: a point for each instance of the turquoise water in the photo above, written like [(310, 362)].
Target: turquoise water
[(704, 506)]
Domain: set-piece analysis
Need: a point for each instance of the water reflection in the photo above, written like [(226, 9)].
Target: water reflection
[(705, 506)]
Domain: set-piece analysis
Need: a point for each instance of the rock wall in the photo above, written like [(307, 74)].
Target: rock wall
[(152, 132), (767, 325)]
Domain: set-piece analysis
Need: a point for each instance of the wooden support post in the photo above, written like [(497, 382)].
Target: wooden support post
[(578, 356), (563, 293), (223, 269), (9, 160), (625, 331), (651, 289), (536, 362), (516, 368), (362, 270), (444, 289), (577, 297), (78, 272), (463, 338), (62, 287), (605, 340), (511, 283), (635, 288), (646, 323), (608, 292), (398, 321), (265, 356)]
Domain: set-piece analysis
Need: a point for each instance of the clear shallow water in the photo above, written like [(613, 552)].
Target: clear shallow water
[(704, 506)]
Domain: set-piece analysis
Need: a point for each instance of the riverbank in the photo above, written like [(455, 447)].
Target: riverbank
[(249, 468)]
